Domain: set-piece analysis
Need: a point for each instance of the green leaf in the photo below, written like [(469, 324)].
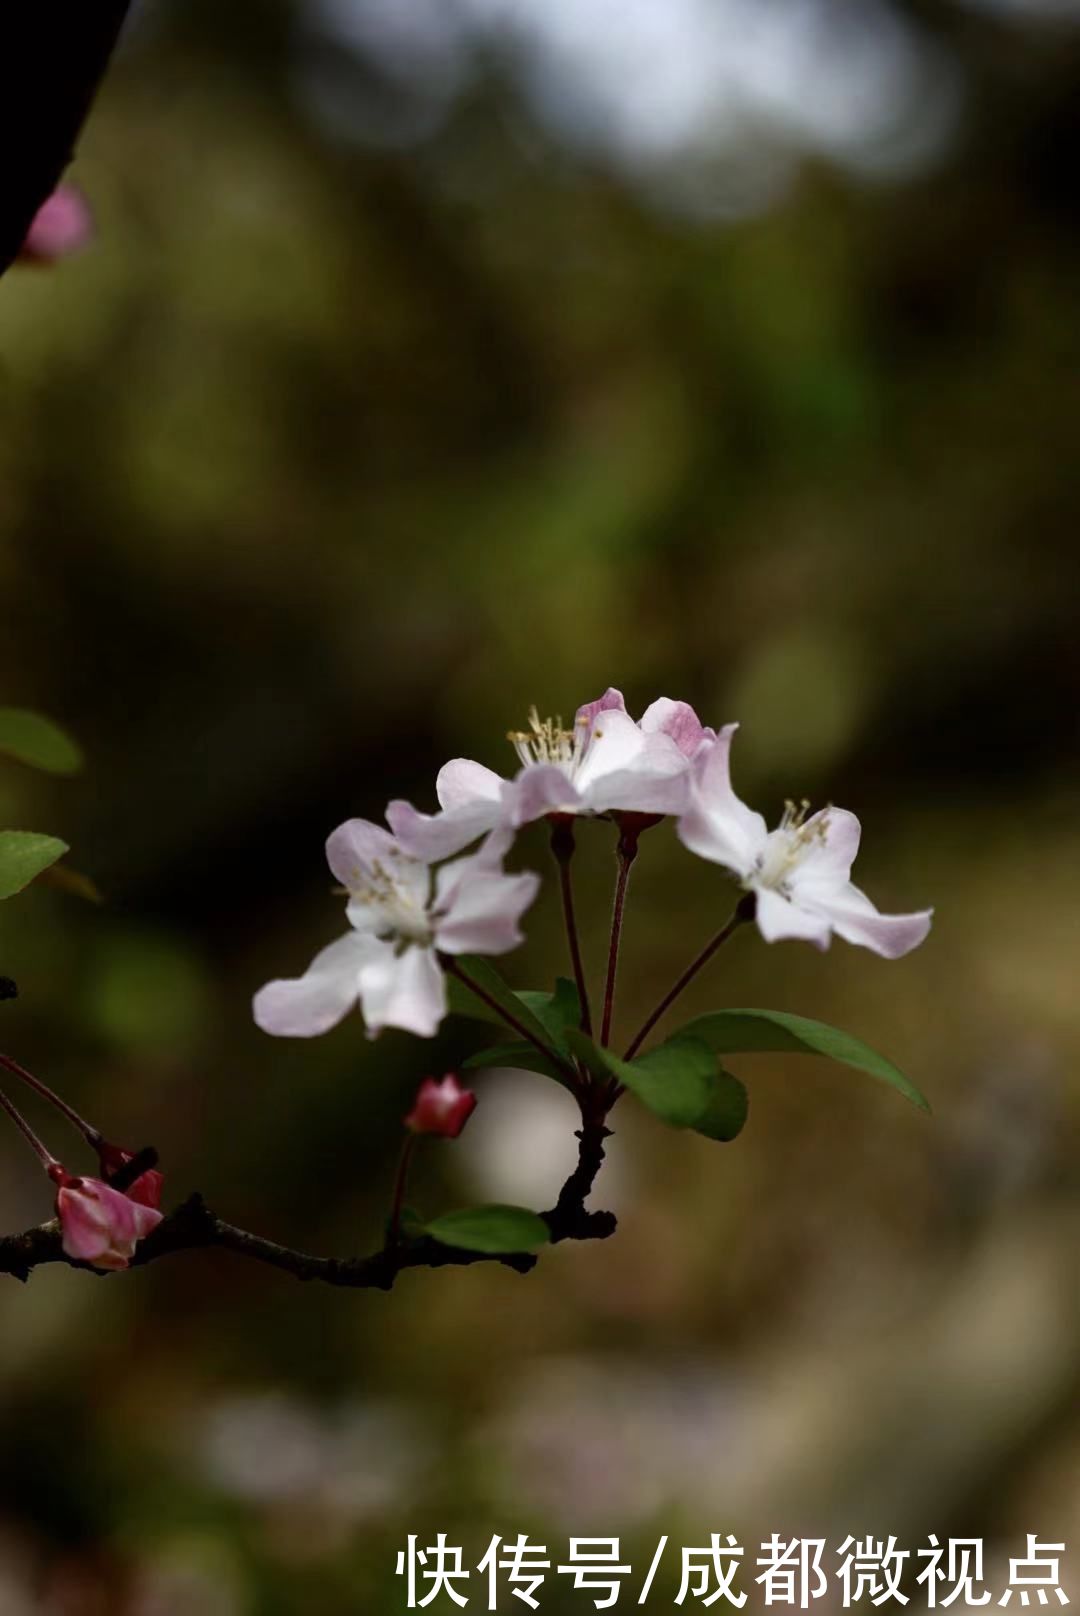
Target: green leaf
[(522, 1056), (493, 1229), (731, 1032), (37, 741), (23, 855), (555, 1011), (484, 974), (680, 1082)]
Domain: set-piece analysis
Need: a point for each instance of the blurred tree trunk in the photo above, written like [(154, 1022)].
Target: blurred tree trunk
[(53, 54)]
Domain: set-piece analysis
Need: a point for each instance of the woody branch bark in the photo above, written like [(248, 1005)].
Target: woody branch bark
[(53, 55), (194, 1227)]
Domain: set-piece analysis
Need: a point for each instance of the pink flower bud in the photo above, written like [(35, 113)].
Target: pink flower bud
[(100, 1225), (441, 1108), (146, 1189), (62, 225)]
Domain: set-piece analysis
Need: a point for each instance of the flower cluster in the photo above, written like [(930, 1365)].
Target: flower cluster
[(414, 902)]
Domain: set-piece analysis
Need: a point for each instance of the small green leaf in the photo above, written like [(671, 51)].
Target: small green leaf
[(680, 1082), (521, 1056), (493, 1229), (37, 741), (555, 1011), (23, 855), (731, 1032), (484, 974)]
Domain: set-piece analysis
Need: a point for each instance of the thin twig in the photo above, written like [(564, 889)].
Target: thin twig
[(90, 1134), (738, 918), (194, 1227)]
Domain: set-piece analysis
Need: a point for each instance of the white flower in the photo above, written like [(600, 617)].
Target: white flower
[(403, 915), (605, 762), (799, 872)]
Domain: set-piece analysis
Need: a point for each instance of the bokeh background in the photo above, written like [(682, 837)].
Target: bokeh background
[(432, 360)]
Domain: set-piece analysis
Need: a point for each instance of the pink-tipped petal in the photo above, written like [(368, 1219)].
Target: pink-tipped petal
[(610, 702), (679, 720)]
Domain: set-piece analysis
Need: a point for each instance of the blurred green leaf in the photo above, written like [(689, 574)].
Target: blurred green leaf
[(23, 855), (491, 1228), (36, 740), (731, 1032), (680, 1082)]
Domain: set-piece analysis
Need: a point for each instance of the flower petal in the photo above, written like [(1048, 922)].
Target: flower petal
[(614, 742), (354, 847), (462, 782), (481, 907), (541, 788), (679, 720), (777, 917), (313, 1003), (829, 854), (716, 824), (406, 990), (854, 918), (432, 837), (610, 702)]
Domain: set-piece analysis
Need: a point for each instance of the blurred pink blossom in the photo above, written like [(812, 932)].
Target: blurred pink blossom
[(63, 225)]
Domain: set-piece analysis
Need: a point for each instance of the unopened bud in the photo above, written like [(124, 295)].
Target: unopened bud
[(100, 1225), (441, 1108)]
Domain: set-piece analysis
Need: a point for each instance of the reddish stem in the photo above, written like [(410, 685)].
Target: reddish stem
[(562, 846), (625, 852), (400, 1183), (91, 1135), (47, 1160)]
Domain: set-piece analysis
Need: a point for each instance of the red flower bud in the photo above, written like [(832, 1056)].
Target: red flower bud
[(146, 1189), (100, 1225), (441, 1108)]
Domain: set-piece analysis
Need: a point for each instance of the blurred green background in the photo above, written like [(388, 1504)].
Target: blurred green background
[(431, 362)]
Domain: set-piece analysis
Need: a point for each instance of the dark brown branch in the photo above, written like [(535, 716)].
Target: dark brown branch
[(52, 59), (194, 1227)]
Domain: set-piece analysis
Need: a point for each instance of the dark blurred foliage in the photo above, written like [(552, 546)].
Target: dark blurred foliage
[(328, 460)]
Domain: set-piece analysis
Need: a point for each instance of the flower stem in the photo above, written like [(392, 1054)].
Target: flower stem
[(743, 912), (28, 1133), (625, 852), (393, 1234), (91, 1135), (452, 968), (562, 847)]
